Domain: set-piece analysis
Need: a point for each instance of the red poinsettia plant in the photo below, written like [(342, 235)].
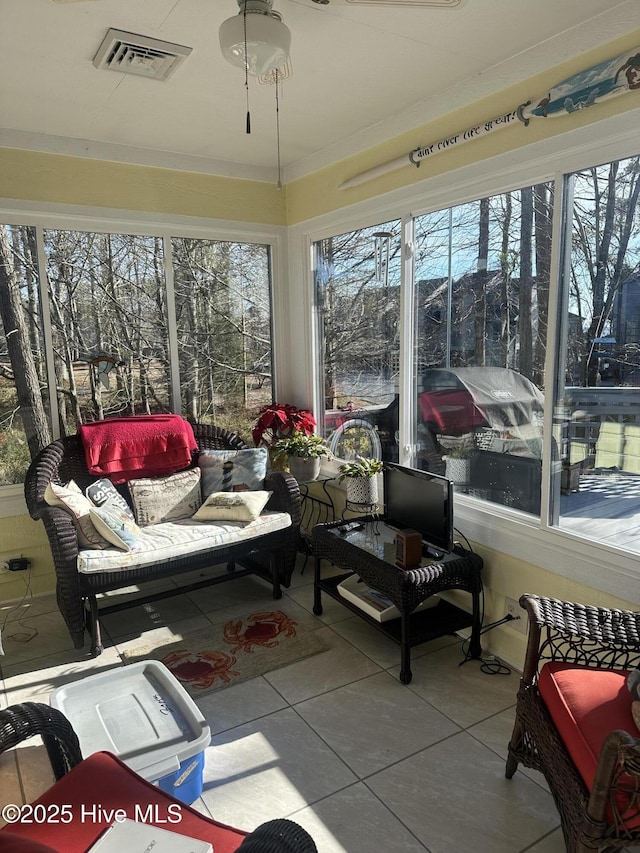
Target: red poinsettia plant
[(279, 421)]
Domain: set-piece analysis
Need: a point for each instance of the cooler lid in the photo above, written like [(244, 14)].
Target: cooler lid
[(140, 712)]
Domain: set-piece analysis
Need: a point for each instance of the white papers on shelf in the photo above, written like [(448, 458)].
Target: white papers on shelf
[(375, 603), (134, 837)]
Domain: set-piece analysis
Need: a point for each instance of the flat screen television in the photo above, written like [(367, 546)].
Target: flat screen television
[(420, 501)]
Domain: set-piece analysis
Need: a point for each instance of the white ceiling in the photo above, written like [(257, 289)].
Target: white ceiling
[(361, 75)]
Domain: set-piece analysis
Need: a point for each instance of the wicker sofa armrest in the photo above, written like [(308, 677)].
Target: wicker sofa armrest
[(286, 495), (580, 634), (20, 722)]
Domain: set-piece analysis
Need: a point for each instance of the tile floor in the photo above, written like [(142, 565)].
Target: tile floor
[(335, 741)]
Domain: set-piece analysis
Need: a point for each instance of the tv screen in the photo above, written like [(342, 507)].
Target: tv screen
[(421, 501)]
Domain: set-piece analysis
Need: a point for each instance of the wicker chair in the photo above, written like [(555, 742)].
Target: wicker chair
[(606, 814), (272, 555), (102, 779)]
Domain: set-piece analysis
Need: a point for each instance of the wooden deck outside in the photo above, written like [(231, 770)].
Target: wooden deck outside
[(613, 501)]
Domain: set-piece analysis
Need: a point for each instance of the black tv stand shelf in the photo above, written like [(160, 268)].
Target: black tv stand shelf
[(365, 552)]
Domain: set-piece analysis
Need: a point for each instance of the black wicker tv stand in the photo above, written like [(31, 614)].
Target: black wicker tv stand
[(368, 552)]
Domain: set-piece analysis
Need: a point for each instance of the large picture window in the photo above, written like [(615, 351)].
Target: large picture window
[(223, 317), (597, 413), (109, 337), (477, 368)]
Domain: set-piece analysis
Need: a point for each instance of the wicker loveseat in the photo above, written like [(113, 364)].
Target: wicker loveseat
[(270, 554)]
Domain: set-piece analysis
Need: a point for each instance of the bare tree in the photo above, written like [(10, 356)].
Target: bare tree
[(15, 323)]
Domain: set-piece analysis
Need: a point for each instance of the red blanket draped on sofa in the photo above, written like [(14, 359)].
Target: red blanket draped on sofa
[(124, 449)]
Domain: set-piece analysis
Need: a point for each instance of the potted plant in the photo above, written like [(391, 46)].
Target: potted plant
[(303, 453), (360, 474), (280, 420), (458, 464)]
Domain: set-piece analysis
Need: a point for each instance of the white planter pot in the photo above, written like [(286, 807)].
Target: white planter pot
[(458, 470), (304, 470), (362, 490)]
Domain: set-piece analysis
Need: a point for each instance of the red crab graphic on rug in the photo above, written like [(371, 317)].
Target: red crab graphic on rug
[(201, 669), (262, 630)]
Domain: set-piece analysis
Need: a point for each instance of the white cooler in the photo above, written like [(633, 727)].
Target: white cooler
[(142, 714)]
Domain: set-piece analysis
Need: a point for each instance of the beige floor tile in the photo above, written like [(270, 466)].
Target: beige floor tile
[(553, 843), (174, 630), (127, 624), (315, 675), (35, 637), (454, 798), (10, 787), (269, 768), (375, 722), (462, 692), (239, 704), (27, 683), (355, 821)]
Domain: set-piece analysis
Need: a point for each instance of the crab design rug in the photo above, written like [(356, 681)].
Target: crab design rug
[(231, 652)]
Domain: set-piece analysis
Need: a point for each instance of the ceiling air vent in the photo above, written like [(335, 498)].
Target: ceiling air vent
[(133, 54)]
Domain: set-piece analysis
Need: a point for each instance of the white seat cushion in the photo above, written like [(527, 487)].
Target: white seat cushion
[(161, 542)]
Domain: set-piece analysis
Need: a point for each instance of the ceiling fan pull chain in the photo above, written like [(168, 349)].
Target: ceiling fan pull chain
[(246, 69), (277, 75)]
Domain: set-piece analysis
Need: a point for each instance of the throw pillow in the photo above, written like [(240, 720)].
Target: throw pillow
[(232, 506), (71, 499), (171, 498), (115, 525), (233, 470), (104, 492)]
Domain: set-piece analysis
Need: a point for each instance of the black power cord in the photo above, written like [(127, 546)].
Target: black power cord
[(489, 666)]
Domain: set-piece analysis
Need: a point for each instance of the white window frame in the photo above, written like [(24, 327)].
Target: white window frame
[(501, 529), (80, 218)]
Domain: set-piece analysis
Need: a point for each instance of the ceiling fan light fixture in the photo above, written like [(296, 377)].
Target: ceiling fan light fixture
[(267, 39)]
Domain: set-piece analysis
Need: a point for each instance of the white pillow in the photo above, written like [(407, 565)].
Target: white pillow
[(115, 525), (232, 506), (70, 497), (157, 499)]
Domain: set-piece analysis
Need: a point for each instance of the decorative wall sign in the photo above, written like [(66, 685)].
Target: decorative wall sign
[(604, 81)]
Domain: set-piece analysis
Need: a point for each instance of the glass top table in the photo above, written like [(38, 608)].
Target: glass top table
[(369, 552)]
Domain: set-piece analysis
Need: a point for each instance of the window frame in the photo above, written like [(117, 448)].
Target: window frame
[(140, 223), (514, 534)]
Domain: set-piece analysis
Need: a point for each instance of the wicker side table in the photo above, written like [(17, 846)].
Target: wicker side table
[(365, 552)]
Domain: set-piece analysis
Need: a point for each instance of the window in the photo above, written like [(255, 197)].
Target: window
[(108, 310), (481, 296), (474, 347), (358, 298), (109, 344), (597, 412), (223, 318)]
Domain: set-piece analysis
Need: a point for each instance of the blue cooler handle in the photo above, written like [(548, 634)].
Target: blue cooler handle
[(162, 768)]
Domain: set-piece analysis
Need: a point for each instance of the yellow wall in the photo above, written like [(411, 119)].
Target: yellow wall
[(318, 193), (22, 537), (53, 178)]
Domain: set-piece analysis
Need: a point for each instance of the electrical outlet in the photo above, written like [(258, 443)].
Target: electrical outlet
[(512, 608)]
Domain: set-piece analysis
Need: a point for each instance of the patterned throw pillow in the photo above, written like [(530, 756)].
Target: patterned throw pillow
[(232, 506), (71, 499), (103, 492), (233, 470), (157, 499), (115, 525)]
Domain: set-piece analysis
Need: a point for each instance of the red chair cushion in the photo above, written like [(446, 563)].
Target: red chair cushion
[(586, 704), (98, 786)]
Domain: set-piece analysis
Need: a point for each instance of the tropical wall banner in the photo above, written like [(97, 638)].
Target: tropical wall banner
[(608, 79)]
